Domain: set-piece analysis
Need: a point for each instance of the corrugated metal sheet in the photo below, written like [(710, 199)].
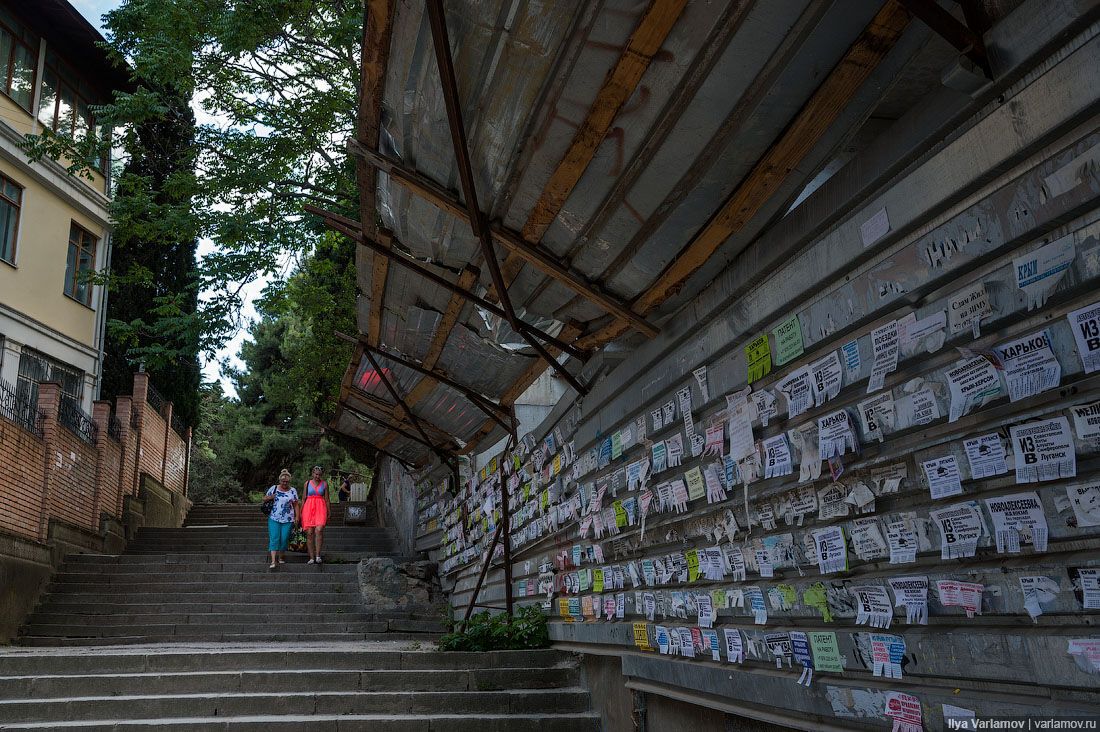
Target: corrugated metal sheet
[(725, 83), (1016, 176)]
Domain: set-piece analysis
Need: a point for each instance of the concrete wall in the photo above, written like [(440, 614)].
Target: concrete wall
[(1017, 174), (395, 501)]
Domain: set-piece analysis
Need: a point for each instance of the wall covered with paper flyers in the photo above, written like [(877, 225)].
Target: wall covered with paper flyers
[(862, 488)]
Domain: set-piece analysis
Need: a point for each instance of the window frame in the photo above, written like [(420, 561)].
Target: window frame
[(71, 82), (70, 288), (18, 206), (17, 38)]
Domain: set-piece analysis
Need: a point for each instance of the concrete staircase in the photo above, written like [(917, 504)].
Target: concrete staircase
[(208, 582), (188, 630), (375, 686)]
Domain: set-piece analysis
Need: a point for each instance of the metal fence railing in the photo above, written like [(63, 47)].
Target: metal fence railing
[(21, 410), (179, 426), (155, 400), (114, 428), (79, 422)]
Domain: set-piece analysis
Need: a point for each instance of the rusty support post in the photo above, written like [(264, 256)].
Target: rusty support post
[(505, 519)]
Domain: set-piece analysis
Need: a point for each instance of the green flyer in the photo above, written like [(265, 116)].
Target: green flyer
[(826, 653), (758, 358), (788, 341)]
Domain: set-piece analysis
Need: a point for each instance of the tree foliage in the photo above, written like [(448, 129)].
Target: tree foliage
[(288, 386), (276, 85)]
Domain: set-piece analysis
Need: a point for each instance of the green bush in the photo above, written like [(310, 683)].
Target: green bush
[(486, 632)]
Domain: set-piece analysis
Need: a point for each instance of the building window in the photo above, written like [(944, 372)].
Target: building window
[(80, 264), (18, 63), (65, 109), (11, 199), (35, 368)]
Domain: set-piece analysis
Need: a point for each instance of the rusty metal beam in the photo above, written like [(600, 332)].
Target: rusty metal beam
[(333, 427), (447, 323), (486, 405), (513, 241), (799, 138), (374, 56), (618, 86), (338, 223), (965, 40), (513, 393), (446, 458), (382, 411), (478, 224), (395, 430)]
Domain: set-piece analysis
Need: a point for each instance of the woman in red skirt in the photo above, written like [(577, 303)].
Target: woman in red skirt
[(315, 513)]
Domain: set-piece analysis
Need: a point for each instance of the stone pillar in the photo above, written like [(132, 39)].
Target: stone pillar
[(124, 406), (138, 402), (49, 402), (140, 395), (164, 450), (101, 415), (187, 465)]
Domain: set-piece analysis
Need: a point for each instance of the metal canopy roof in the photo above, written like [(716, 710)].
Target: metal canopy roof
[(622, 154)]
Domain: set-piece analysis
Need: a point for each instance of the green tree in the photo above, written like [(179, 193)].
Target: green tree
[(277, 82), (288, 385), (152, 317)]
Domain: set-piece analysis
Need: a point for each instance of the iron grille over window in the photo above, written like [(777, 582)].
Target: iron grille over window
[(77, 420), (24, 412), (36, 368)]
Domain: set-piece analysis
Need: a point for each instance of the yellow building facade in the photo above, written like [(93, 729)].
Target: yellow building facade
[(54, 227)]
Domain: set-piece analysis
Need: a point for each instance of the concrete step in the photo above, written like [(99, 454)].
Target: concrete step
[(260, 527), (218, 543), (294, 583), (222, 558), (292, 599), (45, 686), (274, 627), (175, 659), (257, 575), (229, 621), (117, 569), (206, 704), (330, 555), (50, 641), (102, 611), (580, 722)]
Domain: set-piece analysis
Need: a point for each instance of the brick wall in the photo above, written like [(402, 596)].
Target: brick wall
[(59, 476), (22, 455), (151, 454), (175, 464), (71, 480), (110, 488)]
